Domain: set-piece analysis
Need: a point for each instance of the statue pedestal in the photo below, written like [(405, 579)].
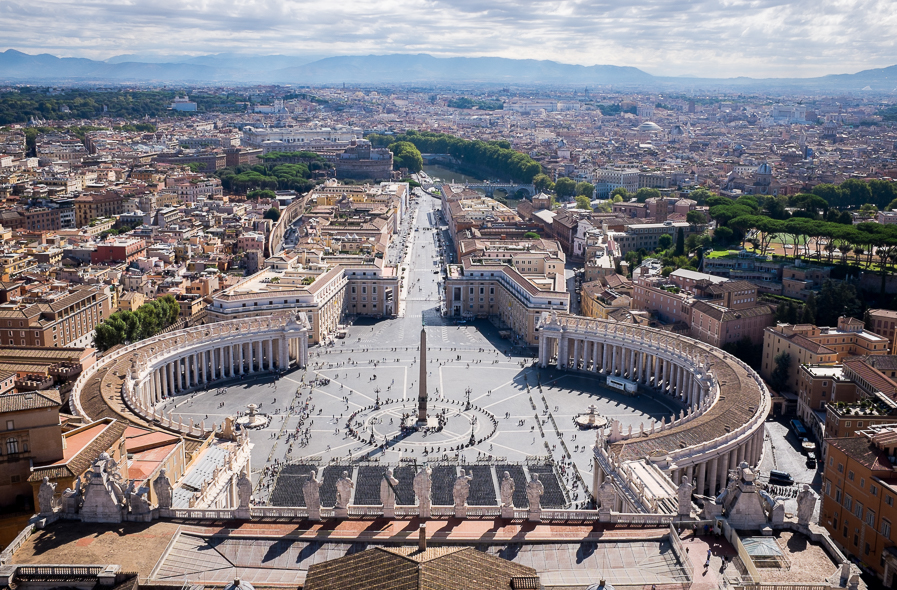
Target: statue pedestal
[(507, 512), (242, 514), (423, 511), (604, 514), (341, 512), (534, 515), (314, 513), (389, 512), (461, 511)]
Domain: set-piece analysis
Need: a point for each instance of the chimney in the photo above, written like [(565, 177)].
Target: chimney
[(422, 538)]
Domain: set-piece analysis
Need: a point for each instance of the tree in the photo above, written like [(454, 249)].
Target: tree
[(582, 202), (406, 155), (585, 188), (680, 242), (700, 195), (618, 198), (723, 235), (531, 235), (645, 193), (779, 378), (621, 192), (261, 194), (664, 242), (565, 187), (273, 214), (696, 217), (542, 183)]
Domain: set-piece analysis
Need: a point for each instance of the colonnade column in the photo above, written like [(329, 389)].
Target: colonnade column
[(613, 363), (604, 358), (702, 474), (712, 476), (723, 470)]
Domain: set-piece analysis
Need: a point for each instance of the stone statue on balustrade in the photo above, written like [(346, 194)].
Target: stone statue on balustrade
[(422, 484), (344, 487), (460, 493), (534, 491), (139, 506), (684, 496), (244, 491), (311, 491), (806, 504), (506, 488), (46, 497), (388, 494), (103, 496), (71, 499), (607, 497), (163, 488)]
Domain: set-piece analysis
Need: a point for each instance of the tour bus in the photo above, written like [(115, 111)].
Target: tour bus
[(622, 384), (798, 428)]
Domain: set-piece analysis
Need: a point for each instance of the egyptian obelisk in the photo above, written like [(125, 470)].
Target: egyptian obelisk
[(422, 394)]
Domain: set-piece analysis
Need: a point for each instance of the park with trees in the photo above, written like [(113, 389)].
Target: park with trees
[(125, 326)]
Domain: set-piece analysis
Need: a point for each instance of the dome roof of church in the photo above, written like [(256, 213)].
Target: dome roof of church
[(648, 127), (764, 168)]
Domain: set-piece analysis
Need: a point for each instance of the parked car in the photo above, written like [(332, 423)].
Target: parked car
[(811, 460), (784, 477)]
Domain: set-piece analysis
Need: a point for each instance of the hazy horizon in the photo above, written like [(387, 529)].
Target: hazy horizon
[(756, 38)]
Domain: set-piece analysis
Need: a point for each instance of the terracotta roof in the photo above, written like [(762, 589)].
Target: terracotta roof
[(871, 376), (863, 451), (82, 460), (33, 400), (404, 568)]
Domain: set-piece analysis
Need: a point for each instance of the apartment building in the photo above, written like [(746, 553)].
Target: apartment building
[(884, 323), (516, 298), (326, 292), (859, 489), (90, 206), (812, 345), (32, 436), (646, 235), (608, 179), (58, 319)]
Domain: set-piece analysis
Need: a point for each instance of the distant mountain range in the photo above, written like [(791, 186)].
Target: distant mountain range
[(421, 69)]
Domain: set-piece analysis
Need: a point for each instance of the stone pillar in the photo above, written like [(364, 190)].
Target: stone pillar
[(596, 361), (613, 362), (604, 358), (702, 478), (690, 473), (740, 452), (666, 372), (205, 366), (270, 354), (577, 343), (712, 477), (656, 370), (641, 367), (563, 359), (723, 470)]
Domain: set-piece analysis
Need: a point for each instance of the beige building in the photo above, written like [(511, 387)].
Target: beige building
[(327, 292), (33, 436), (811, 345)]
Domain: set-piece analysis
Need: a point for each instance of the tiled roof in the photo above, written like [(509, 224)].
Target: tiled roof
[(82, 460), (861, 450), (404, 568), (18, 402)]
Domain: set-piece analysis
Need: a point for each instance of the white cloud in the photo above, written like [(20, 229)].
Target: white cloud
[(703, 37)]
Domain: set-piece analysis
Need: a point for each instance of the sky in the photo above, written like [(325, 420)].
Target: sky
[(728, 38)]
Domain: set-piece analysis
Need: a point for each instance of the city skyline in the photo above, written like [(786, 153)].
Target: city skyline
[(662, 37)]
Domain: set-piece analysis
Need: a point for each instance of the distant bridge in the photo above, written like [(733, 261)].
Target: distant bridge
[(511, 188)]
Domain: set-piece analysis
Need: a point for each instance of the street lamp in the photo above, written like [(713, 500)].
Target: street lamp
[(467, 404)]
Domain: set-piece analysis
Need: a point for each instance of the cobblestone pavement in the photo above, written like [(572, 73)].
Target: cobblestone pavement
[(380, 360)]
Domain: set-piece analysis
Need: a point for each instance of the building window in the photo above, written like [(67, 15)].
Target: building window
[(12, 445), (848, 502), (885, 528), (10, 425), (850, 475)]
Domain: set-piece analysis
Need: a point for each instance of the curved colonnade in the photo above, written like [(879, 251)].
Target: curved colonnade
[(128, 382), (724, 402)]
